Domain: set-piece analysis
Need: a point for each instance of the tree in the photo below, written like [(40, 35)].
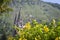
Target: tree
[(5, 27), (4, 6)]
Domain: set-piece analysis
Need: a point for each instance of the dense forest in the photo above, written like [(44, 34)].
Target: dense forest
[(29, 20)]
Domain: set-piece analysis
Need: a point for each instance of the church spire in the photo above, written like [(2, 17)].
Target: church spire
[(18, 19)]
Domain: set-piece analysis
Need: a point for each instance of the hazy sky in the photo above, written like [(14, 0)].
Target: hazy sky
[(54, 1)]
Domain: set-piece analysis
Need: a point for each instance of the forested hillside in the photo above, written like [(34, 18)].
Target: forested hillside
[(35, 9)]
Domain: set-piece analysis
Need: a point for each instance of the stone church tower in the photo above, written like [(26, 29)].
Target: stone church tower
[(18, 19)]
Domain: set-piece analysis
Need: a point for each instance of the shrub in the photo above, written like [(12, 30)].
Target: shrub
[(38, 31)]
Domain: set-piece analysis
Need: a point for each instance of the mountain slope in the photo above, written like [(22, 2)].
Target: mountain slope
[(37, 9), (54, 5)]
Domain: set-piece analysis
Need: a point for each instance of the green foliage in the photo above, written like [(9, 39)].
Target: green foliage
[(39, 32), (35, 30), (4, 7)]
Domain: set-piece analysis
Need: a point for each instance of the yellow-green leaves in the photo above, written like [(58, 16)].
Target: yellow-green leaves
[(37, 31), (27, 25), (46, 29)]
